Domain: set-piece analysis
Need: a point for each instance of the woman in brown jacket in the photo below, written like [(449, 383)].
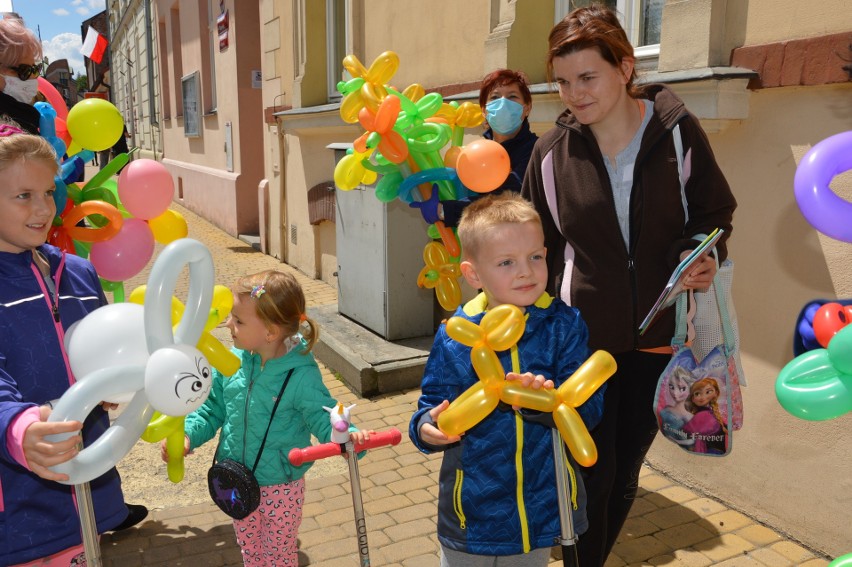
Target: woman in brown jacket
[(617, 220)]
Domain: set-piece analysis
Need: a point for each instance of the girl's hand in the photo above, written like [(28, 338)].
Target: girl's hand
[(431, 434), (109, 406), (360, 436), (41, 453), (165, 455), (701, 275)]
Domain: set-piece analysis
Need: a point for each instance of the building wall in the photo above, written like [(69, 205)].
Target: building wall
[(229, 110), (784, 471), (134, 75)]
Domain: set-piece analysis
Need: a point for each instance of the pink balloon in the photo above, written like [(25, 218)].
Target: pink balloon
[(53, 97), (125, 254), (145, 188)]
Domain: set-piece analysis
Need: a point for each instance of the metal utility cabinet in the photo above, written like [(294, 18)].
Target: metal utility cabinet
[(379, 255)]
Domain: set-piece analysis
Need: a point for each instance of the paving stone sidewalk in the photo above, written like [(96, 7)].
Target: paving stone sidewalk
[(669, 524)]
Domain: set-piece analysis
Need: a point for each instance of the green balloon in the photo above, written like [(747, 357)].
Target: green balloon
[(811, 387)]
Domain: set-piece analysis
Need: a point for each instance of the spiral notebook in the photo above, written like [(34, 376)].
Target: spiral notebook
[(675, 284)]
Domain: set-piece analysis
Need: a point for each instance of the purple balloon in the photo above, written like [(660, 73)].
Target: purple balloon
[(820, 206)]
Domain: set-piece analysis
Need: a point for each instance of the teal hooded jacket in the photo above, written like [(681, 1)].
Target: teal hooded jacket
[(240, 406)]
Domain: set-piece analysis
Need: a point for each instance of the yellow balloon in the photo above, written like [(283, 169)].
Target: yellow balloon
[(503, 326), (587, 379), (352, 64), (382, 68), (448, 293), (576, 436), (168, 227), (466, 332), (467, 410), (487, 365), (414, 92), (350, 106), (218, 355), (514, 394), (171, 429), (95, 124)]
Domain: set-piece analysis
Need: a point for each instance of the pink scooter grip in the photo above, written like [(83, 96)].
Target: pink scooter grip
[(317, 452)]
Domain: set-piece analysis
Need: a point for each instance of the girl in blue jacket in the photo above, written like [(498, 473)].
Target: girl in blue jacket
[(42, 292), (273, 337)]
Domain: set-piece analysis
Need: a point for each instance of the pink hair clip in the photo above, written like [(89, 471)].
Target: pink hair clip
[(257, 291), (9, 130)]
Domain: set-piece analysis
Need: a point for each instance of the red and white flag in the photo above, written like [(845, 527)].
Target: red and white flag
[(94, 45)]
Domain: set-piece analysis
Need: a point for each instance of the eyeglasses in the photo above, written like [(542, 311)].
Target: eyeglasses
[(25, 71)]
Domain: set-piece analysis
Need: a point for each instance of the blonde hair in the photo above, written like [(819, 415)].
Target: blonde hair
[(16, 42), (484, 214), (25, 147), (279, 300)]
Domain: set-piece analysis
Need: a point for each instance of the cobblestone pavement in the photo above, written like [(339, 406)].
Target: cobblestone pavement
[(670, 524)]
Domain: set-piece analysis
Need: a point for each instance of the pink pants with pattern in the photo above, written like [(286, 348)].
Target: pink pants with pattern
[(267, 536)]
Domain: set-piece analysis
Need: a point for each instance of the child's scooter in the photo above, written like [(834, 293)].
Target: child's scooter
[(340, 443)]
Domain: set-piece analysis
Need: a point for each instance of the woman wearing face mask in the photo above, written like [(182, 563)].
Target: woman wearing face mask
[(505, 100), (19, 50)]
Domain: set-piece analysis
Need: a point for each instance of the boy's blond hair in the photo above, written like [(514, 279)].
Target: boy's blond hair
[(484, 214)]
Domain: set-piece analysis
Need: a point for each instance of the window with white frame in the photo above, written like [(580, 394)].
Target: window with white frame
[(641, 19), (337, 39)]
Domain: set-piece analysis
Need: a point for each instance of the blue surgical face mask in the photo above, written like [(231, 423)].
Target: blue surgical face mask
[(504, 116)]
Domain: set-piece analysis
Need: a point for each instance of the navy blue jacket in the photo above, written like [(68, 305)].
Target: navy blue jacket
[(479, 511), (37, 516)]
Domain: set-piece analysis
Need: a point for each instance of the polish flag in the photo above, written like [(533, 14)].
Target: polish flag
[(94, 45)]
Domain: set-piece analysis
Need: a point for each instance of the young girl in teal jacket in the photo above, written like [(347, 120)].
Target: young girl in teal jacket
[(272, 336)]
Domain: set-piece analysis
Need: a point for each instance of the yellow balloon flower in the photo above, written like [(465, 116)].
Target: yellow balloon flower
[(440, 274)]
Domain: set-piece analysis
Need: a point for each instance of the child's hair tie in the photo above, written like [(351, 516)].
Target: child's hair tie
[(303, 318), (257, 291), (9, 130)]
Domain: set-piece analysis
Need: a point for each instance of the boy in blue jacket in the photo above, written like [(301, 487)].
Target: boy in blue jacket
[(497, 500)]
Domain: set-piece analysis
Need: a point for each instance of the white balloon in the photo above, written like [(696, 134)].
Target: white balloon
[(127, 352), (177, 380), (113, 335)]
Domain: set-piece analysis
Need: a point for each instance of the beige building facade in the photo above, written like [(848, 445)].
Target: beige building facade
[(765, 77), (133, 74)]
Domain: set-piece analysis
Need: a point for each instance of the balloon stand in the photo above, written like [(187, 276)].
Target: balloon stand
[(567, 536), (317, 452), (88, 524)]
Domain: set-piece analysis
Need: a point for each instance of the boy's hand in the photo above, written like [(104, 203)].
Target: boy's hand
[(164, 454), (41, 453), (431, 434), (360, 436), (528, 380)]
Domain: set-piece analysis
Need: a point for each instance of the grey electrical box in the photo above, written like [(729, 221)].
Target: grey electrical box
[(379, 255)]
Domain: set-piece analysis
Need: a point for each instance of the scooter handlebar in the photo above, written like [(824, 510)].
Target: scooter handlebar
[(298, 457)]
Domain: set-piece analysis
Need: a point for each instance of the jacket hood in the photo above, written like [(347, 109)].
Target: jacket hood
[(17, 264)]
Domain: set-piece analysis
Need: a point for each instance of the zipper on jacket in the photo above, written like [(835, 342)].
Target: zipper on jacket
[(519, 458), (246, 413), (53, 296), (457, 499), (634, 291)]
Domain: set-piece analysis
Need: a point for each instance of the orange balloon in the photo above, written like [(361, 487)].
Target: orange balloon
[(85, 234), (483, 165)]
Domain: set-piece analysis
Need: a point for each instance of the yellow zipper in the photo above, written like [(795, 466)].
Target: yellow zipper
[(519, 461), (457, 499)]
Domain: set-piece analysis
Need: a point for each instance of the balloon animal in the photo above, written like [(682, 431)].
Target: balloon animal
[(499, 330), (128, 348)]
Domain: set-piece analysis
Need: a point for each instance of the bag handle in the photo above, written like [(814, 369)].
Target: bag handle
[(724, 316), (271, 417)]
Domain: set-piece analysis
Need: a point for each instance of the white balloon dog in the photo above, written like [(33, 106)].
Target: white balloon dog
[(127, 351)]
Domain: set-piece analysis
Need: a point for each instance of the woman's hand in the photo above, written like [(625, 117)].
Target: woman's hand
[(702, 274), (431, 434), (41, 453)]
